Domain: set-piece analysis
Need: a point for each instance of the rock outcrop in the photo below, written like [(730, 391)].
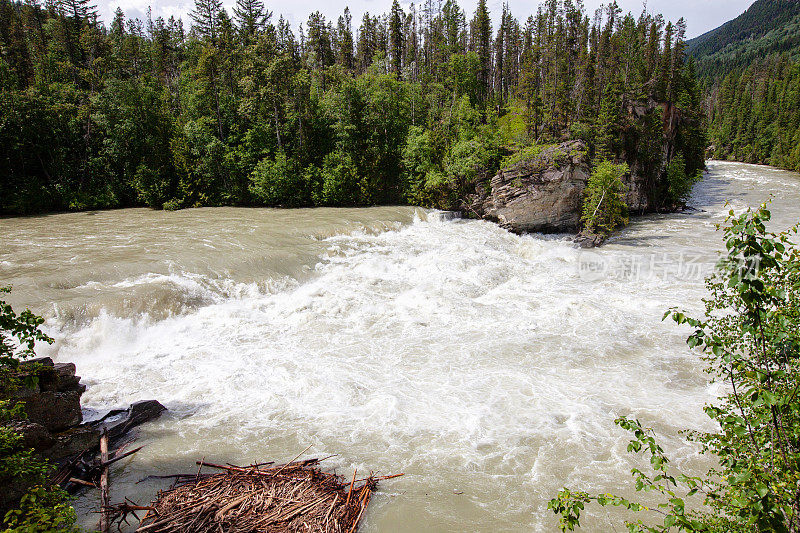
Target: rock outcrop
[(53, 425), (542, 195), (55, 401), (586, 239)]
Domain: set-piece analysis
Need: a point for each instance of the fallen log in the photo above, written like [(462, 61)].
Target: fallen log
[(116, 424)]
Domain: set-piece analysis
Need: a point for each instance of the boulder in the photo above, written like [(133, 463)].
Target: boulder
[(55, 400), (52, 427), (543, 194), (56, 411), (120, 421), (585, 239)]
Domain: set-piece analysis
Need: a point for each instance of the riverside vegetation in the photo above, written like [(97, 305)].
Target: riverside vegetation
[(750, 342), (42, 508), (413, 107)]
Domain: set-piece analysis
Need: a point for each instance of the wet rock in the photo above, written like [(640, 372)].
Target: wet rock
[(66, 378), (33, 435), (543, 194), (589, 240), (55, 400), (120, 421), (53, 426), (56, 411), (72, 442), (45, 361)]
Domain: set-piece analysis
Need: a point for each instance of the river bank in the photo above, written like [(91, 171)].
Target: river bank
[(478, 362)]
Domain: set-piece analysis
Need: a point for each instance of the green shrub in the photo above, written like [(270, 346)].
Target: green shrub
[(276, 182), (41, 509), (529, 152), (604, 206), (679, 183), (418, 159), (172, 205), (511, 128), (340, 183)]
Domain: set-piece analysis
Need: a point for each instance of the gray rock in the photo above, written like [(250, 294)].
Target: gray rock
[(57, 411), (53, 426), (55, 401), (46, 361), (120, 421), (544, 194), (60, 377), (589, 240), (72, 442), (33, 435)]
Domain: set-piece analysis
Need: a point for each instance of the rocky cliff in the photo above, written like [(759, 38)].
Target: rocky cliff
[(53, 410), (648, 144), (542, 195)]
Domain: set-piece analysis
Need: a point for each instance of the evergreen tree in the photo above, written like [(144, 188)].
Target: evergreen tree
[(480, 43), (345, 35), (396, 18), (206, 18), (251, 19), (78, 10)]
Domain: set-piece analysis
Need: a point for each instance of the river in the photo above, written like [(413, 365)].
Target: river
[(487, 367)]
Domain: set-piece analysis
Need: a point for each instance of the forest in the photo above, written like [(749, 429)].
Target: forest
[(241, 109), (754, 114), (750, 70)]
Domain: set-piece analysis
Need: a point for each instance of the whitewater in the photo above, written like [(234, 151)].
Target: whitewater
[(486, 366)]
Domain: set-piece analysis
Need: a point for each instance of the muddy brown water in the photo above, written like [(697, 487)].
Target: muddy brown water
[(487, 366)]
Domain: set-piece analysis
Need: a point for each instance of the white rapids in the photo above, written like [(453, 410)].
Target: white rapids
[(487, 366)]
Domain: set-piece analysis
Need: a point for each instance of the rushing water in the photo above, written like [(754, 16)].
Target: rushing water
[(486, 366)]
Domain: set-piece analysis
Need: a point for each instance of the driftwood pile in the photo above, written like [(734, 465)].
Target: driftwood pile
[(295, 497)]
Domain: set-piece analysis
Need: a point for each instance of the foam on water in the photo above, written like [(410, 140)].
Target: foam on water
[(444, 349), (487, 366)]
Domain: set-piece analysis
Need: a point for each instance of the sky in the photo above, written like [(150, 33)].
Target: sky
[(700, 15)]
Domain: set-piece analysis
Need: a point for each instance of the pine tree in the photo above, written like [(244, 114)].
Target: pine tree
[(78, 10), (345, 35), (480, 43), (251, 19), (319, 41), (118, 24), (367, 42), (206, 18), (608, 124), (454, 22), (396, 37)]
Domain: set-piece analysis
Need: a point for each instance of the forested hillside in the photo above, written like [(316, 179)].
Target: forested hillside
[(767, 27), (242, 109), (750, 68)]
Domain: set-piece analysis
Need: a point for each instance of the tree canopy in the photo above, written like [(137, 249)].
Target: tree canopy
[(242, 109)]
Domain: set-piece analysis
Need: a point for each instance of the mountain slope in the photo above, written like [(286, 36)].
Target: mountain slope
[(767, 27), (750, 69)]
